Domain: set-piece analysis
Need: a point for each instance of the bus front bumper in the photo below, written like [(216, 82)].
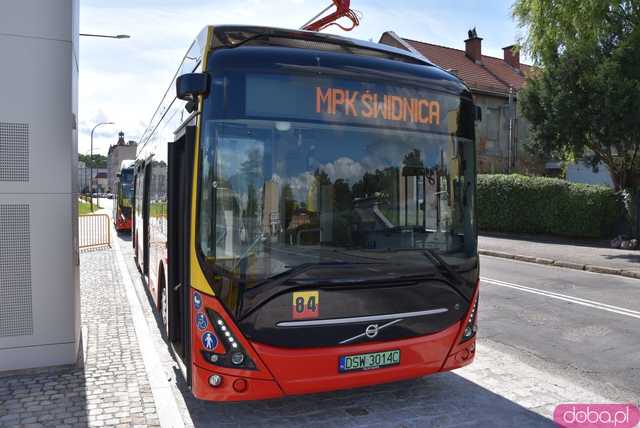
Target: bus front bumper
[(123, 224), (304, 371)]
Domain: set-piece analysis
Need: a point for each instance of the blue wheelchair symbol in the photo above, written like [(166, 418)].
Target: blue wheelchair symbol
[(197, 300), (201, 321), (209, 341)]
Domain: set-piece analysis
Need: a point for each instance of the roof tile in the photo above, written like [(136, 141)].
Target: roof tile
[(492, 75)]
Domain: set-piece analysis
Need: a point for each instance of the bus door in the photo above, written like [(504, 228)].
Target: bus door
[(145, 219), (138, 203), (180, 164), (116, 195)]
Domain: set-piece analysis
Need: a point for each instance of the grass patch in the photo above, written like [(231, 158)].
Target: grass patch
[(85, 208)]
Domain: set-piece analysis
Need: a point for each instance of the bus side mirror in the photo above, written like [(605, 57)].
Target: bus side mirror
[(190, 85), (478, 114)]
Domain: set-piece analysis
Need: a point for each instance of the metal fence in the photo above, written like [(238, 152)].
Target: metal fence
[(94, 230)]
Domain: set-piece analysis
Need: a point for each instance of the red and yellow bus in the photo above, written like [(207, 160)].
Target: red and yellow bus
[(304, 214), (123, 199)]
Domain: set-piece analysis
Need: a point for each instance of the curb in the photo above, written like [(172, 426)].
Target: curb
[(166, 406), (560, 263)]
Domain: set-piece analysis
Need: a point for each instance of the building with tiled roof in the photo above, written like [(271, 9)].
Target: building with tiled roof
[(494, 82)]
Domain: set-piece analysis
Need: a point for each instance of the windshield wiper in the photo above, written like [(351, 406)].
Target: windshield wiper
[(285, 277), (256, 296), (247, 40), (454, 277), (440, 263)]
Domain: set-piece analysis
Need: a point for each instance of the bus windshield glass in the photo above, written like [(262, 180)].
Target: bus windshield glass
[(283, 192), (126, 184)]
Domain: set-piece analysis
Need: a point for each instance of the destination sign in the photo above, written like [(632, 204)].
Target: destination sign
[(346, 101), (377, 106)]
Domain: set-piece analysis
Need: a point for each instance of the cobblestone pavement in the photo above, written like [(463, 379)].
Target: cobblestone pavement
[(498, 390), (112, 389)]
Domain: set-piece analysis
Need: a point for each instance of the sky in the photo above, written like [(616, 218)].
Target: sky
[(123, 80)]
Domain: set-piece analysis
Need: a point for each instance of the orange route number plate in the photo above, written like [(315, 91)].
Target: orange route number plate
[(306, 304)]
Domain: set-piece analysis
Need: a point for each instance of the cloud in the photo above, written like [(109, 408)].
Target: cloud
[(344, 168), (124, 80), (300, 185)]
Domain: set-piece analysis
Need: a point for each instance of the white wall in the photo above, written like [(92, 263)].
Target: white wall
[(39, 292)]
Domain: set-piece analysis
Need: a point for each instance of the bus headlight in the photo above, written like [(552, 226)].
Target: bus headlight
[(234, 355), (237, 358), (472, 327), (215, 380)]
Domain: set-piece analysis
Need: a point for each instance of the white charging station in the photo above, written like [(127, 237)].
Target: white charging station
[(39, 272)]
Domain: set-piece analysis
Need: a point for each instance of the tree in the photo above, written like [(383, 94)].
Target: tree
[(583, 101), (413, 165), (288, 205), (251, 171), (95, 161)]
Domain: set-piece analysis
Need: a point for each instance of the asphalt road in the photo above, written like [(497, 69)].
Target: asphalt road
[(531, 311)]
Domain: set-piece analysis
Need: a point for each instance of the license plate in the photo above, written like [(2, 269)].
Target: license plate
[(374, 360)]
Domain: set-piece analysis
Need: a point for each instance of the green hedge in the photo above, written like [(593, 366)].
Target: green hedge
[(521, 204)]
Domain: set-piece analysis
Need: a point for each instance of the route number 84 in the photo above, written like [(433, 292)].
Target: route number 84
[(306, 304)]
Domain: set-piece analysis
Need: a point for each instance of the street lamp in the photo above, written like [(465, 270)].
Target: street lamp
[(91, 157), (117, 36)]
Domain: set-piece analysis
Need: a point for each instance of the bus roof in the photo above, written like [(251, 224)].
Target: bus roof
[(237, 35)]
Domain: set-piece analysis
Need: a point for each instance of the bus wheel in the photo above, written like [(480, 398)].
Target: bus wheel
[(164, 307)]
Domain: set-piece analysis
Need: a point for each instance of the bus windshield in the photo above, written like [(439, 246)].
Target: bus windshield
[(126, 184), (279, 194)]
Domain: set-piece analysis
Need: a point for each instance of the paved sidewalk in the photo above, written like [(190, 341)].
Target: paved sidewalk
[(593, 256), (112, 389)]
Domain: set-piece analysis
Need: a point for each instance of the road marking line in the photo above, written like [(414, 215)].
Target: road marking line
[(571, 299), (564, 295)]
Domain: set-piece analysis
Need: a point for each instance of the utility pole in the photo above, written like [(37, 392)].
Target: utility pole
[(106, 36)]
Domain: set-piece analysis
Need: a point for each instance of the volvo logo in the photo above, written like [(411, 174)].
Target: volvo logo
[(371, 331)]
